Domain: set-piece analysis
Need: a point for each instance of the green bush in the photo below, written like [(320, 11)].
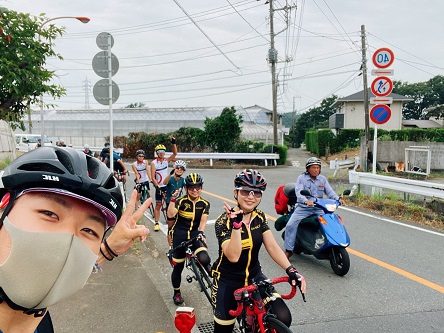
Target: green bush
[(278, 149)]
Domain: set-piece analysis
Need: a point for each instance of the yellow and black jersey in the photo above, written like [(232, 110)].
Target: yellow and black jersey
[(189, 214), (248, 264)]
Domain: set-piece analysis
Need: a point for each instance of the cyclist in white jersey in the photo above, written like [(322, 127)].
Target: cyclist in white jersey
[(159, 171), (140, 168)]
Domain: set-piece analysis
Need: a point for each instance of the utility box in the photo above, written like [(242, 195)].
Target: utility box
[(336, 121)]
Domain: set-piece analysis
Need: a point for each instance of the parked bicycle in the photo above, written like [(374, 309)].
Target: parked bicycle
[(254, 312), (142, 188), (198, 272)]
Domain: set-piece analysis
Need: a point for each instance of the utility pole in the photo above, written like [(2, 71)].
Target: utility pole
[(272, 58), (366, 112)]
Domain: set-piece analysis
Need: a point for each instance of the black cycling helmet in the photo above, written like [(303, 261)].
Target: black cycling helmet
[(64, 171), (140, 152), (193, 179), (313, 161), (250, 178)]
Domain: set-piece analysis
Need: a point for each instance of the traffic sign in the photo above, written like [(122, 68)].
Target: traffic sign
[(380, 114), (383, 57), (381, 100), (383, 72), (101, 91), (382, 86), (100, 64)]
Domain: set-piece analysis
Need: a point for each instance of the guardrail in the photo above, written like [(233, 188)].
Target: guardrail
[(427, 189), (227, 156), (99, 149), (344, 164)]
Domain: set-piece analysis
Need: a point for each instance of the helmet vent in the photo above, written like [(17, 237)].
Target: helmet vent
[(44, 167), (65, 160), (93, 165)]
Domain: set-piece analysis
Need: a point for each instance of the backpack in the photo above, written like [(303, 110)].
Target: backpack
[(281, 201)]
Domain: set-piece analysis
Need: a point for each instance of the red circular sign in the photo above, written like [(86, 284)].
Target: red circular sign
[(380, 114), (382, 86), (383, 57)]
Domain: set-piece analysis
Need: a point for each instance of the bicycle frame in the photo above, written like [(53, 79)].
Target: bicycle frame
[(193, 264), (250, 300), (144, 195)]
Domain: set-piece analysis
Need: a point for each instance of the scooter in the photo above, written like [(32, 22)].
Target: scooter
[(324, 236)]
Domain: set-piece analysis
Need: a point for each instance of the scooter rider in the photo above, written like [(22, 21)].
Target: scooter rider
[(317, 184)]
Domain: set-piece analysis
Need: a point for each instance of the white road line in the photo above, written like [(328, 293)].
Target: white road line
[(394, 222)]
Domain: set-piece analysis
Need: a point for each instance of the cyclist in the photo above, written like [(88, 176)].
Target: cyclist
[(118, 164), (317, 184), (102, 154), (241, 231), (174, 181), (159, 171), (140, 168), (56, 205), (86, 150), (191, 212)]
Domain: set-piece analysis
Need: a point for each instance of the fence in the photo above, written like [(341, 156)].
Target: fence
[(227, 156)]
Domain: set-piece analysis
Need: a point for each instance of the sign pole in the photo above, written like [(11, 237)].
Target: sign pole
[(375, 140), (110, 103)]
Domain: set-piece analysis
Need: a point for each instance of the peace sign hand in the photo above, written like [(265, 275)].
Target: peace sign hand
[(127, 230)]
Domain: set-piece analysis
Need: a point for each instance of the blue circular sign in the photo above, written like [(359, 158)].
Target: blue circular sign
[(380, 114)]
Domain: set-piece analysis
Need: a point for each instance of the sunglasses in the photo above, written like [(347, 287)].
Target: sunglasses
[(180, 168), (246, 193), (194, 187), (140, 155)]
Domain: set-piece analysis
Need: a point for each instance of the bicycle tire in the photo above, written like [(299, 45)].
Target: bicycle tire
[(274, 325), (201, 274), (164, 207)]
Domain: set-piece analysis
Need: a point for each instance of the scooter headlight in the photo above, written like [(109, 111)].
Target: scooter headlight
[(331, 207)]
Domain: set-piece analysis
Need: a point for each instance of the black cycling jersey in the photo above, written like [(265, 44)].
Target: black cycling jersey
[(188, 216), (248, 265)]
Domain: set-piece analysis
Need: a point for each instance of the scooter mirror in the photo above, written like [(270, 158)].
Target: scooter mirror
[(306, 193)]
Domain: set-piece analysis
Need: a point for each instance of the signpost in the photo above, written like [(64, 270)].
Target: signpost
[(381, 87)]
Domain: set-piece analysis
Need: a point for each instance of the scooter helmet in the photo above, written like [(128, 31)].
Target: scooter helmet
[(140, 152), (312, 161), (290, 193), (193, 179), (65, 171), (180, 163), (160, 147), (250, 178)]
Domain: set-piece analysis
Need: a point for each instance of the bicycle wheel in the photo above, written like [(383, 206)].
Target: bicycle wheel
[(164, 207), (274, 325), (202, 277)]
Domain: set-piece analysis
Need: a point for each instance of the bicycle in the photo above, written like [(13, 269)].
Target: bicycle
[(122, 185), (192, 263), (144, 192), (254, 310)]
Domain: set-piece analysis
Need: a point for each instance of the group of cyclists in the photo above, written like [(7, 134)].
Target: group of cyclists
[(86, 189)]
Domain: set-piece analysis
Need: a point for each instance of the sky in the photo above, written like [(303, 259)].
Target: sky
[(195, 53)]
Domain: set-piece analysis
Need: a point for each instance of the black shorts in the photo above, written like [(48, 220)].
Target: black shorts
[(160, 192)]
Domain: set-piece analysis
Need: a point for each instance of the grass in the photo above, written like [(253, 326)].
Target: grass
[(393, 205), (4, 163)]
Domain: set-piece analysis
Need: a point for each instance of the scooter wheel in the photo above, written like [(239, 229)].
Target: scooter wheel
[(340, 261)]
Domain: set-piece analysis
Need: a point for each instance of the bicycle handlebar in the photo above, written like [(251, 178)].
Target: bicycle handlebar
[(254, 286), (187, 243)]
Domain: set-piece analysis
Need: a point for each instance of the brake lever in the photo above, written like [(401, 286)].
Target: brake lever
[(302, 294)]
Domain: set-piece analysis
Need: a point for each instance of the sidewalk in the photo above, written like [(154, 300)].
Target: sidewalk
[(127, 296)]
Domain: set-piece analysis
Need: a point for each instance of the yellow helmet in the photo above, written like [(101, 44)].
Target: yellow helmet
[(160, 147)]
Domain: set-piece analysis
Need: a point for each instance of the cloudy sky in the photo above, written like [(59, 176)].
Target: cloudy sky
[(191, 53)]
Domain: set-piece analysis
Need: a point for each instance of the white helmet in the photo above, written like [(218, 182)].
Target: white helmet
[(86, 146), (180, 163)]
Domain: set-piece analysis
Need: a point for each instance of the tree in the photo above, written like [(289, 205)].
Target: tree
[(314, 118), (224, 131), (23, 76), (135, 105), (426, 97)]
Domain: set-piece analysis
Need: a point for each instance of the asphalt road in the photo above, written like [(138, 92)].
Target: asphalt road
[(395, 283)]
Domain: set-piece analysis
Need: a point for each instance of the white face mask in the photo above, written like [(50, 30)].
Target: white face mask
[(44, 268)]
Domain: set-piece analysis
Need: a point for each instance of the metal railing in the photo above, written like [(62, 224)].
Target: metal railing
[(427, 189), (227, 156), (344, 164)]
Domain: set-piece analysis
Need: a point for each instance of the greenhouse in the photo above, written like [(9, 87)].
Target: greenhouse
[(77, 127)]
